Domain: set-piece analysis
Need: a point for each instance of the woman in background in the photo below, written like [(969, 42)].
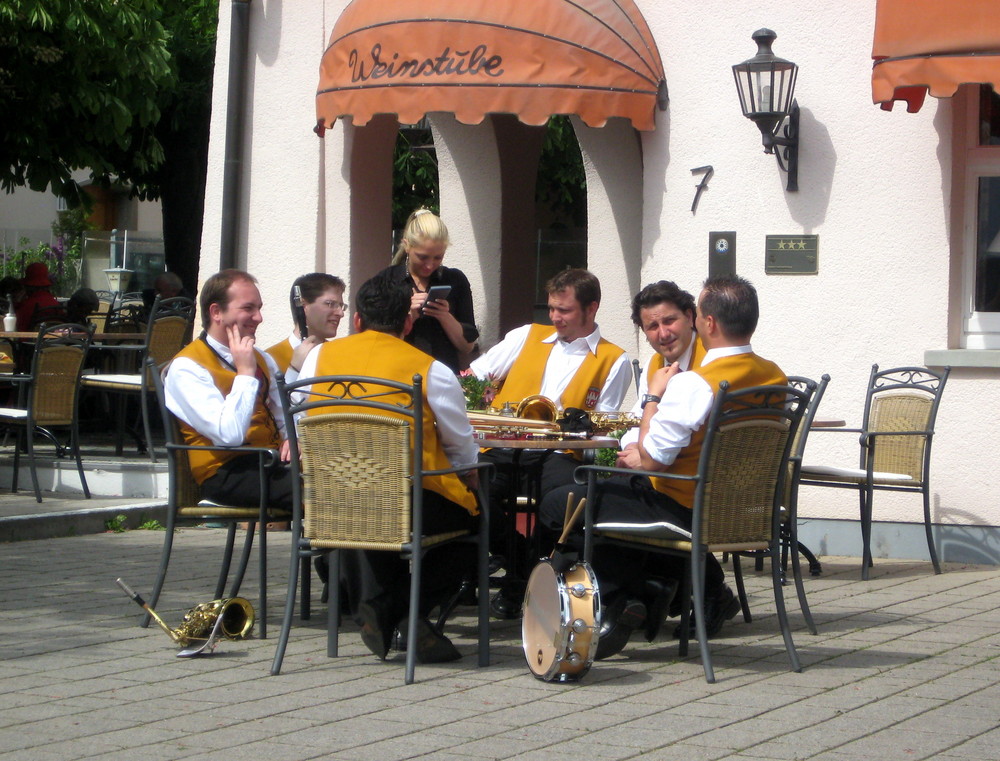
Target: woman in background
[(444, 328)]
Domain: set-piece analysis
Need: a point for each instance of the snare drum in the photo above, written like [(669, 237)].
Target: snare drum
[(562, 621)]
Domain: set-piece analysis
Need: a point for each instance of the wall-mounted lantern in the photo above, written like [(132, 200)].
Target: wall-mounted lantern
[(766, 86)]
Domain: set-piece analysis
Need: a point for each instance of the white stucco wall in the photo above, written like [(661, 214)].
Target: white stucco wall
[(874, 185)]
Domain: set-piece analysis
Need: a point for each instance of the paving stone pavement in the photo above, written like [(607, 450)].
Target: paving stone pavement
[(905, 667)]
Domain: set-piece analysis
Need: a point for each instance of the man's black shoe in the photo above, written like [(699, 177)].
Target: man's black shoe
[(432, 646), (506, 605), (376, 631), (620, 619), (657, 594), (719, 608)]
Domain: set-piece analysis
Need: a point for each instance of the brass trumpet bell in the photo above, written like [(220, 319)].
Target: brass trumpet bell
[(537, 407)]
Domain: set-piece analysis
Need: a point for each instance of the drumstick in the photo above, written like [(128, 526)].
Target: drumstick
[(569, 506), (568, 526)]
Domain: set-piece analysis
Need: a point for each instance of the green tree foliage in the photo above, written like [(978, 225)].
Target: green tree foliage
[(79, 88), (414, 175), (561, 186), (562, 182), (183, 131)]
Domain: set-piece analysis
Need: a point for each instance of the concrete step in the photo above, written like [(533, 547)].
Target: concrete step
[(22, 518), (107, 476), (130, 486)]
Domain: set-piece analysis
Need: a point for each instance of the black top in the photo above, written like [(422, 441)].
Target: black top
[(427, 334)]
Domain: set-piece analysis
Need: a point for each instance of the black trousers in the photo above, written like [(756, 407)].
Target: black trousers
[(382, 579), (628, 500), (237, 483), (515, 471)]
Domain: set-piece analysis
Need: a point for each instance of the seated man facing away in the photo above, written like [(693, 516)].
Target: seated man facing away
[(571, 364), (670, 439), (222, 389), (378, 583), (167, 285), (323, 307), (666, 315)]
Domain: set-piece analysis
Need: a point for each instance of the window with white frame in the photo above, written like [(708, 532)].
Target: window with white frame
[(981, 224)]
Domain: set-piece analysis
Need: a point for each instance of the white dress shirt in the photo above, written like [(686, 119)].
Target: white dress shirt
[(191, 394), (564, 360), (446, 400), (683, 409), (631, 436)]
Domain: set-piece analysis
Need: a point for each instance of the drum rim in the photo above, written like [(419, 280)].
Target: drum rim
[(557, 669)]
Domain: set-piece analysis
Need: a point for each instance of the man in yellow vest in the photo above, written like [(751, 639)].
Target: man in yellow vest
[(377, 583), (571, 364), (221, 387), (675, 409), (322, 309), (666, 315)]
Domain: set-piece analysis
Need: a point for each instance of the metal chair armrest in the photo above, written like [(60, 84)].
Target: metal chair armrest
[(464, 469), (269, 457), (872, 434), (580, 473)]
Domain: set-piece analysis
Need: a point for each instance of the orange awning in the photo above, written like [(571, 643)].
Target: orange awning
[(532, 58), (933, 46)]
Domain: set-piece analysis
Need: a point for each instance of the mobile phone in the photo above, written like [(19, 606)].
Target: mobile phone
[(437, 293)]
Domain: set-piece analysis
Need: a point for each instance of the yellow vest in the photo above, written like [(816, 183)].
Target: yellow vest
[(281, 353), (656, 363), (742, 371), (584, 389), (381, 355), (263, 430)]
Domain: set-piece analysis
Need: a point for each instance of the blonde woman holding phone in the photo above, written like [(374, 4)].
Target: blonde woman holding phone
[(444, 322)]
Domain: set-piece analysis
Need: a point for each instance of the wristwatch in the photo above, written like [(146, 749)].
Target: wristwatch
[(650, 398)]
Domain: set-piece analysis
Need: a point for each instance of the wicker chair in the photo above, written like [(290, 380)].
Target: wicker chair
[(738, 492), (185, 507), (125, 318), (901, 406), (789, 512), (48, 397), (361, 488), (169, 323)]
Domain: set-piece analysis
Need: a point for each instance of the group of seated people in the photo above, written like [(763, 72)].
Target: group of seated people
[(33, 302), (222, 388)]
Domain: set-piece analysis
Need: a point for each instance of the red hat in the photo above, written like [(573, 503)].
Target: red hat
[(36, 274)]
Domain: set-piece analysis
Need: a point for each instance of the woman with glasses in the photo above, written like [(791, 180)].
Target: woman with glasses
[(444, 327)]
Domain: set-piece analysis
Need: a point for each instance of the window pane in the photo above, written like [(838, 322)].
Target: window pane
[(989, 116), (988, 246)]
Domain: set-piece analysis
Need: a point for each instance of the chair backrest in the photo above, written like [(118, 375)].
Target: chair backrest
[(802, 434), (169, 323), (360, 442), (60, 351), (743, 465), (99, 319), (125, 318), (903, 399), (183, 490)]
